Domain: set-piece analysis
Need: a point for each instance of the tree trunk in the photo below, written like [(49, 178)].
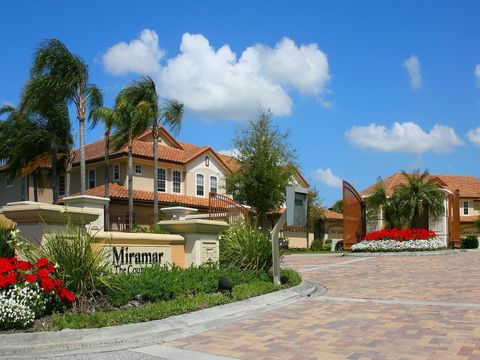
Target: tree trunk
[(35, 186), (155, 171), (82, 156), (68, 172), (107, 177), (130, 185), (53, 151)]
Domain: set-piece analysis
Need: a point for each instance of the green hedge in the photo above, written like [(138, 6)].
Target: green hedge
[(470, 242)]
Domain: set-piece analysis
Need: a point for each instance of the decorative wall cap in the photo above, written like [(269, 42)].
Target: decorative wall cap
[(29, 211), (126, 237), (86, 199), (194, 226)]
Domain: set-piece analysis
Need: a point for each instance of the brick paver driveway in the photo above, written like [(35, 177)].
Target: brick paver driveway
[(422, 307)]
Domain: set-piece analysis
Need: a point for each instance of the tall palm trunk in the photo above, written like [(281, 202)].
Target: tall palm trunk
[(81, 113), (130, 184), (68, 171), (107, 176), (155, 171), (53, 151)]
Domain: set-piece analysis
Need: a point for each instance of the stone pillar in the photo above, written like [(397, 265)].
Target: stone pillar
[(90, 202), (201, 238), (35, 219), (440, 225)]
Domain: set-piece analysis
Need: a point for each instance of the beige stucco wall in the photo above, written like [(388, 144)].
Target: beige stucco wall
[(473, 207), (297, 237), (197, 166)]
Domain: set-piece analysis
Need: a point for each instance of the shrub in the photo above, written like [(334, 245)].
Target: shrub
[(469, 242), (82, 268), (327, 244), (6, 248), (290, 277), (245, 247), (317, 244), (400, 234), (28, 291), (161, 284), (154, 229)]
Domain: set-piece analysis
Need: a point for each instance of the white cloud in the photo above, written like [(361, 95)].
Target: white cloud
[(412, 64), (326, 176), (140, 56), (405, 137), (477, 74), (214, 83), (474, 136), (229, 152)]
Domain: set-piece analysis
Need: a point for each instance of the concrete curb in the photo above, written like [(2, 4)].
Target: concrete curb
[(405, 253), (68, 342)]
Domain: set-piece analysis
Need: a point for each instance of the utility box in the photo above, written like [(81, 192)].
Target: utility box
[(297, 206)]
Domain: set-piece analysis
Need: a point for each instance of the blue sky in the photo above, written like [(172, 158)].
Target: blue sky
[(339, 81)]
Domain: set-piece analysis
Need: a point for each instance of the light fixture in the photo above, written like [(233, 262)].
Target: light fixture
[(207, 161)]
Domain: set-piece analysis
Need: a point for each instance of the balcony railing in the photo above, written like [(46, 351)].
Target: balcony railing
[(120, 220)]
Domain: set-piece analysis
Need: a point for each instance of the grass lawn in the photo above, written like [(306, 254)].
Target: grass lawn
[(184, 303)]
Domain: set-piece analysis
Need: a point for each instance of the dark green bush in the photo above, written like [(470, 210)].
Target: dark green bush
[(317, 244), (290, 277), (160, 284), (469, 242), (283, 243), (245, 247), (6, 249)]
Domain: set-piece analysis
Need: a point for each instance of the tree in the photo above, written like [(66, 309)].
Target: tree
[(314, 210), (134, 116), (409, 202), (64, 76), (110, 118), (419, 195), (338, 206), (266, 166)]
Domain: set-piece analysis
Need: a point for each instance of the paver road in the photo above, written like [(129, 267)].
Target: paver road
[(394, 307)]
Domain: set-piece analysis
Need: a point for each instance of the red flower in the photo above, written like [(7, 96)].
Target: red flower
[(43, 273), (400, 234), (47, 284), (42, 262), (58, 284), (23, 265), (11, 278), (66, 295), (31, 278), (5, 265)]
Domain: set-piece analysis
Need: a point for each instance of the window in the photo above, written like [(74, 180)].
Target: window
[(61, 185), (116, 172), (207, 161), (138, 169), (465, 208), (8, 181), (177, 181), (200, 189), (92, 178), (213, 184), (161, 180)]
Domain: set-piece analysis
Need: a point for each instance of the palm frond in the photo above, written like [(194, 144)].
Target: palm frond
[(173, 115), (94, 98)]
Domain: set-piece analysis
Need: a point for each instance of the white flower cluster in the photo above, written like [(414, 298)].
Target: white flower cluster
[(19, 306), (393, 245)]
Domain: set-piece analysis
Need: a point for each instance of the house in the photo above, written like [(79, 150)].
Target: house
[(469, 200), (187, 174)]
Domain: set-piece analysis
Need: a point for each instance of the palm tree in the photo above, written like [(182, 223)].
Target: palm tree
[(133, 116), (420, 195), (144, 92), (65, 76), (109, 117)]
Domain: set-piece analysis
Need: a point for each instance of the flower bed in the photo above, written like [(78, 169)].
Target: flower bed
[(28, 291), (399, 240)]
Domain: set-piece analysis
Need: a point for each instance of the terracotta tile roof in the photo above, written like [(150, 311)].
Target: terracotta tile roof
[(469, 219), (183, 154), (40, 162), (469, 186), (332, 215), (119, 192)]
